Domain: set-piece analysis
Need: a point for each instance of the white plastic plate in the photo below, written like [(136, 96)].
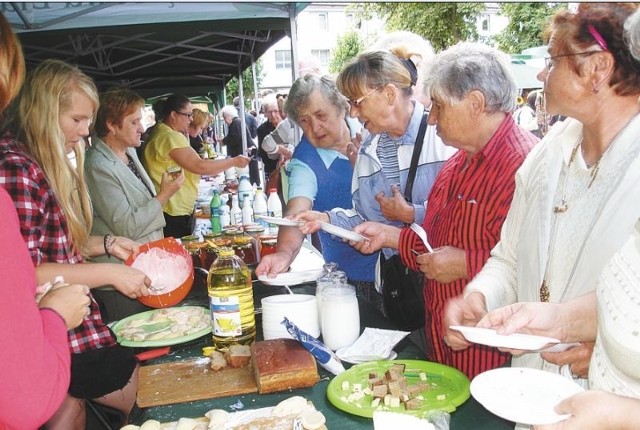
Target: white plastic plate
[(522, 395), (341, 232), (486, 336)]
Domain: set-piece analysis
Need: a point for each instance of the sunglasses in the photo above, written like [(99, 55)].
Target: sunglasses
[(357, 102), (187, 114)]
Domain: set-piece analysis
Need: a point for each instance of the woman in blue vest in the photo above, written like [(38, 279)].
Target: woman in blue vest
[(319, 177)]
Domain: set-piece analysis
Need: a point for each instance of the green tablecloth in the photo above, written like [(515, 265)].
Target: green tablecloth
[(469, 415)]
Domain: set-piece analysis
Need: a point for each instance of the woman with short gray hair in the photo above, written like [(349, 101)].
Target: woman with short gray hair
[(319, 177), (472, 66), (471, 196)]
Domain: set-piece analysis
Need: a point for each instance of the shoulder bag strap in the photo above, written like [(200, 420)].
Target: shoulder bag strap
[(417, 149)]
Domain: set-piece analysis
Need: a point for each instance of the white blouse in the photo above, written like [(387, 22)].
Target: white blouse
[(615, 364)]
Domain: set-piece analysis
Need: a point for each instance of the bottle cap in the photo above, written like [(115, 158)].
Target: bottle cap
[(226, 252), (273, 190)]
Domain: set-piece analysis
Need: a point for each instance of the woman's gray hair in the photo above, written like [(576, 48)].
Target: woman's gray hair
[(467, 67), (229, 110), (632, 34), (302, 88)]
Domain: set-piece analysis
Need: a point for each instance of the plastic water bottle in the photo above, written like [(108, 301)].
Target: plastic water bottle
[(247, 211), (244, 188), (231, 300), (274, 207), (215, 205), (225, 216), (260, 207), (236, 212)]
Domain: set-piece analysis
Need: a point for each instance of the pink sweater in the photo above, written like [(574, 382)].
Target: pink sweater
[(34, 354)]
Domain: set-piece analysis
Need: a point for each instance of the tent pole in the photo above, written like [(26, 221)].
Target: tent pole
[(243, 120), (255, 104), (293, 26)]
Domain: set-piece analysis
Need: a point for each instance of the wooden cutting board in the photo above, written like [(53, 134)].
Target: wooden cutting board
[(185, 381)]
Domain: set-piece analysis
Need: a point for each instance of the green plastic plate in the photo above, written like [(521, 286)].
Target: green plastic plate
[(443, 380), (116, 327)]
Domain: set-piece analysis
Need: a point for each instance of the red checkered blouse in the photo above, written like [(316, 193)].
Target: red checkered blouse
[(44, 229)]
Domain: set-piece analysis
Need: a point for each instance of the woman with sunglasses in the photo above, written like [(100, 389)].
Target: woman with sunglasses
[(379, 86), (169, 147), (574, 203)]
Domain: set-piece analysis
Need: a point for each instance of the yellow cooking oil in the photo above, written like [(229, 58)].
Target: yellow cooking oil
[(231, 300)]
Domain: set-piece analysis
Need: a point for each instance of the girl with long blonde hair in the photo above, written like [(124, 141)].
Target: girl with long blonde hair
[(48, 124)]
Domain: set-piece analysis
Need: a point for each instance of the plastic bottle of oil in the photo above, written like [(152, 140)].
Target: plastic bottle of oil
[(231, 300)]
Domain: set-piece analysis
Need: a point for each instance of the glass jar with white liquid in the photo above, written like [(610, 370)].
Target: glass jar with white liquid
[(340, 320)]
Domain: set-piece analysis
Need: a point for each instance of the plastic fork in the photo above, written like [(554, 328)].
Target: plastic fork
[(422, 235)]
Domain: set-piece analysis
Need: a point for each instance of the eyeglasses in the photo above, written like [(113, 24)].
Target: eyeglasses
[(548, 61), (357, 102), (188, 115), (271, 112)]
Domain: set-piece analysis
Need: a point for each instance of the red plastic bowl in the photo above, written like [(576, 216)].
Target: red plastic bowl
[(174, 297)]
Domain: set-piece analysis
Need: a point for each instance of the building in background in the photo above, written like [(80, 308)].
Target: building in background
[(320, 25)]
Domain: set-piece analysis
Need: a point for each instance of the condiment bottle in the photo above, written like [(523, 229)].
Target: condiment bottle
[(274, 207), (247, 210), (236, 212), (231, 300), (245, 189), (260, 207)]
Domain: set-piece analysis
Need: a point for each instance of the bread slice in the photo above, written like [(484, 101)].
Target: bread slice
[(218, 361), (238, 355)]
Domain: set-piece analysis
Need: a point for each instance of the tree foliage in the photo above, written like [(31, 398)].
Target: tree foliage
[(247, 84), (443, 24), (527, 22), (348, 46)]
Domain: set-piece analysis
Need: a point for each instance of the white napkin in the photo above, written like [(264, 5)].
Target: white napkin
[(385, 420), (373, 344)]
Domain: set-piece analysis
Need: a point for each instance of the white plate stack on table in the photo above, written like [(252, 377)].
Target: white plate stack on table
[(301, 309)]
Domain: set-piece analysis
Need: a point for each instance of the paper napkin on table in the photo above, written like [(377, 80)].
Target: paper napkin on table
[(373, 344), (385, 420)]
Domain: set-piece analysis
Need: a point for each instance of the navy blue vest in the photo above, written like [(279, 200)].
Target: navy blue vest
[(334, 191)]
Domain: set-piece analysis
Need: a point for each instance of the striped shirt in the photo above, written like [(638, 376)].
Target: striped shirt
[(387, 152), (466, 208)]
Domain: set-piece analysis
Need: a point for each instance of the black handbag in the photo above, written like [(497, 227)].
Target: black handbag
[(402, 287)]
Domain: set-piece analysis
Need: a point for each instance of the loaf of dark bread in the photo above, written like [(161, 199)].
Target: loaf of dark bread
[(282, 364)]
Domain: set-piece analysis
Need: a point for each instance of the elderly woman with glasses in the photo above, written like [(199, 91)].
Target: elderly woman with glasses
[(169, 147), (319, 176), (574, 202), (379, 86)]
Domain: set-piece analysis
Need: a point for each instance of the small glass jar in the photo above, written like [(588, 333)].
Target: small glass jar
[(267, 245), (244, 246)]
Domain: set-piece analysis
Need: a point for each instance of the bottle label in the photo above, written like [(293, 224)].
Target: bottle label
[(225, 315)]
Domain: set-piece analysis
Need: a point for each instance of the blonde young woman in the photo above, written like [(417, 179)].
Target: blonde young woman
[(52, 118)]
